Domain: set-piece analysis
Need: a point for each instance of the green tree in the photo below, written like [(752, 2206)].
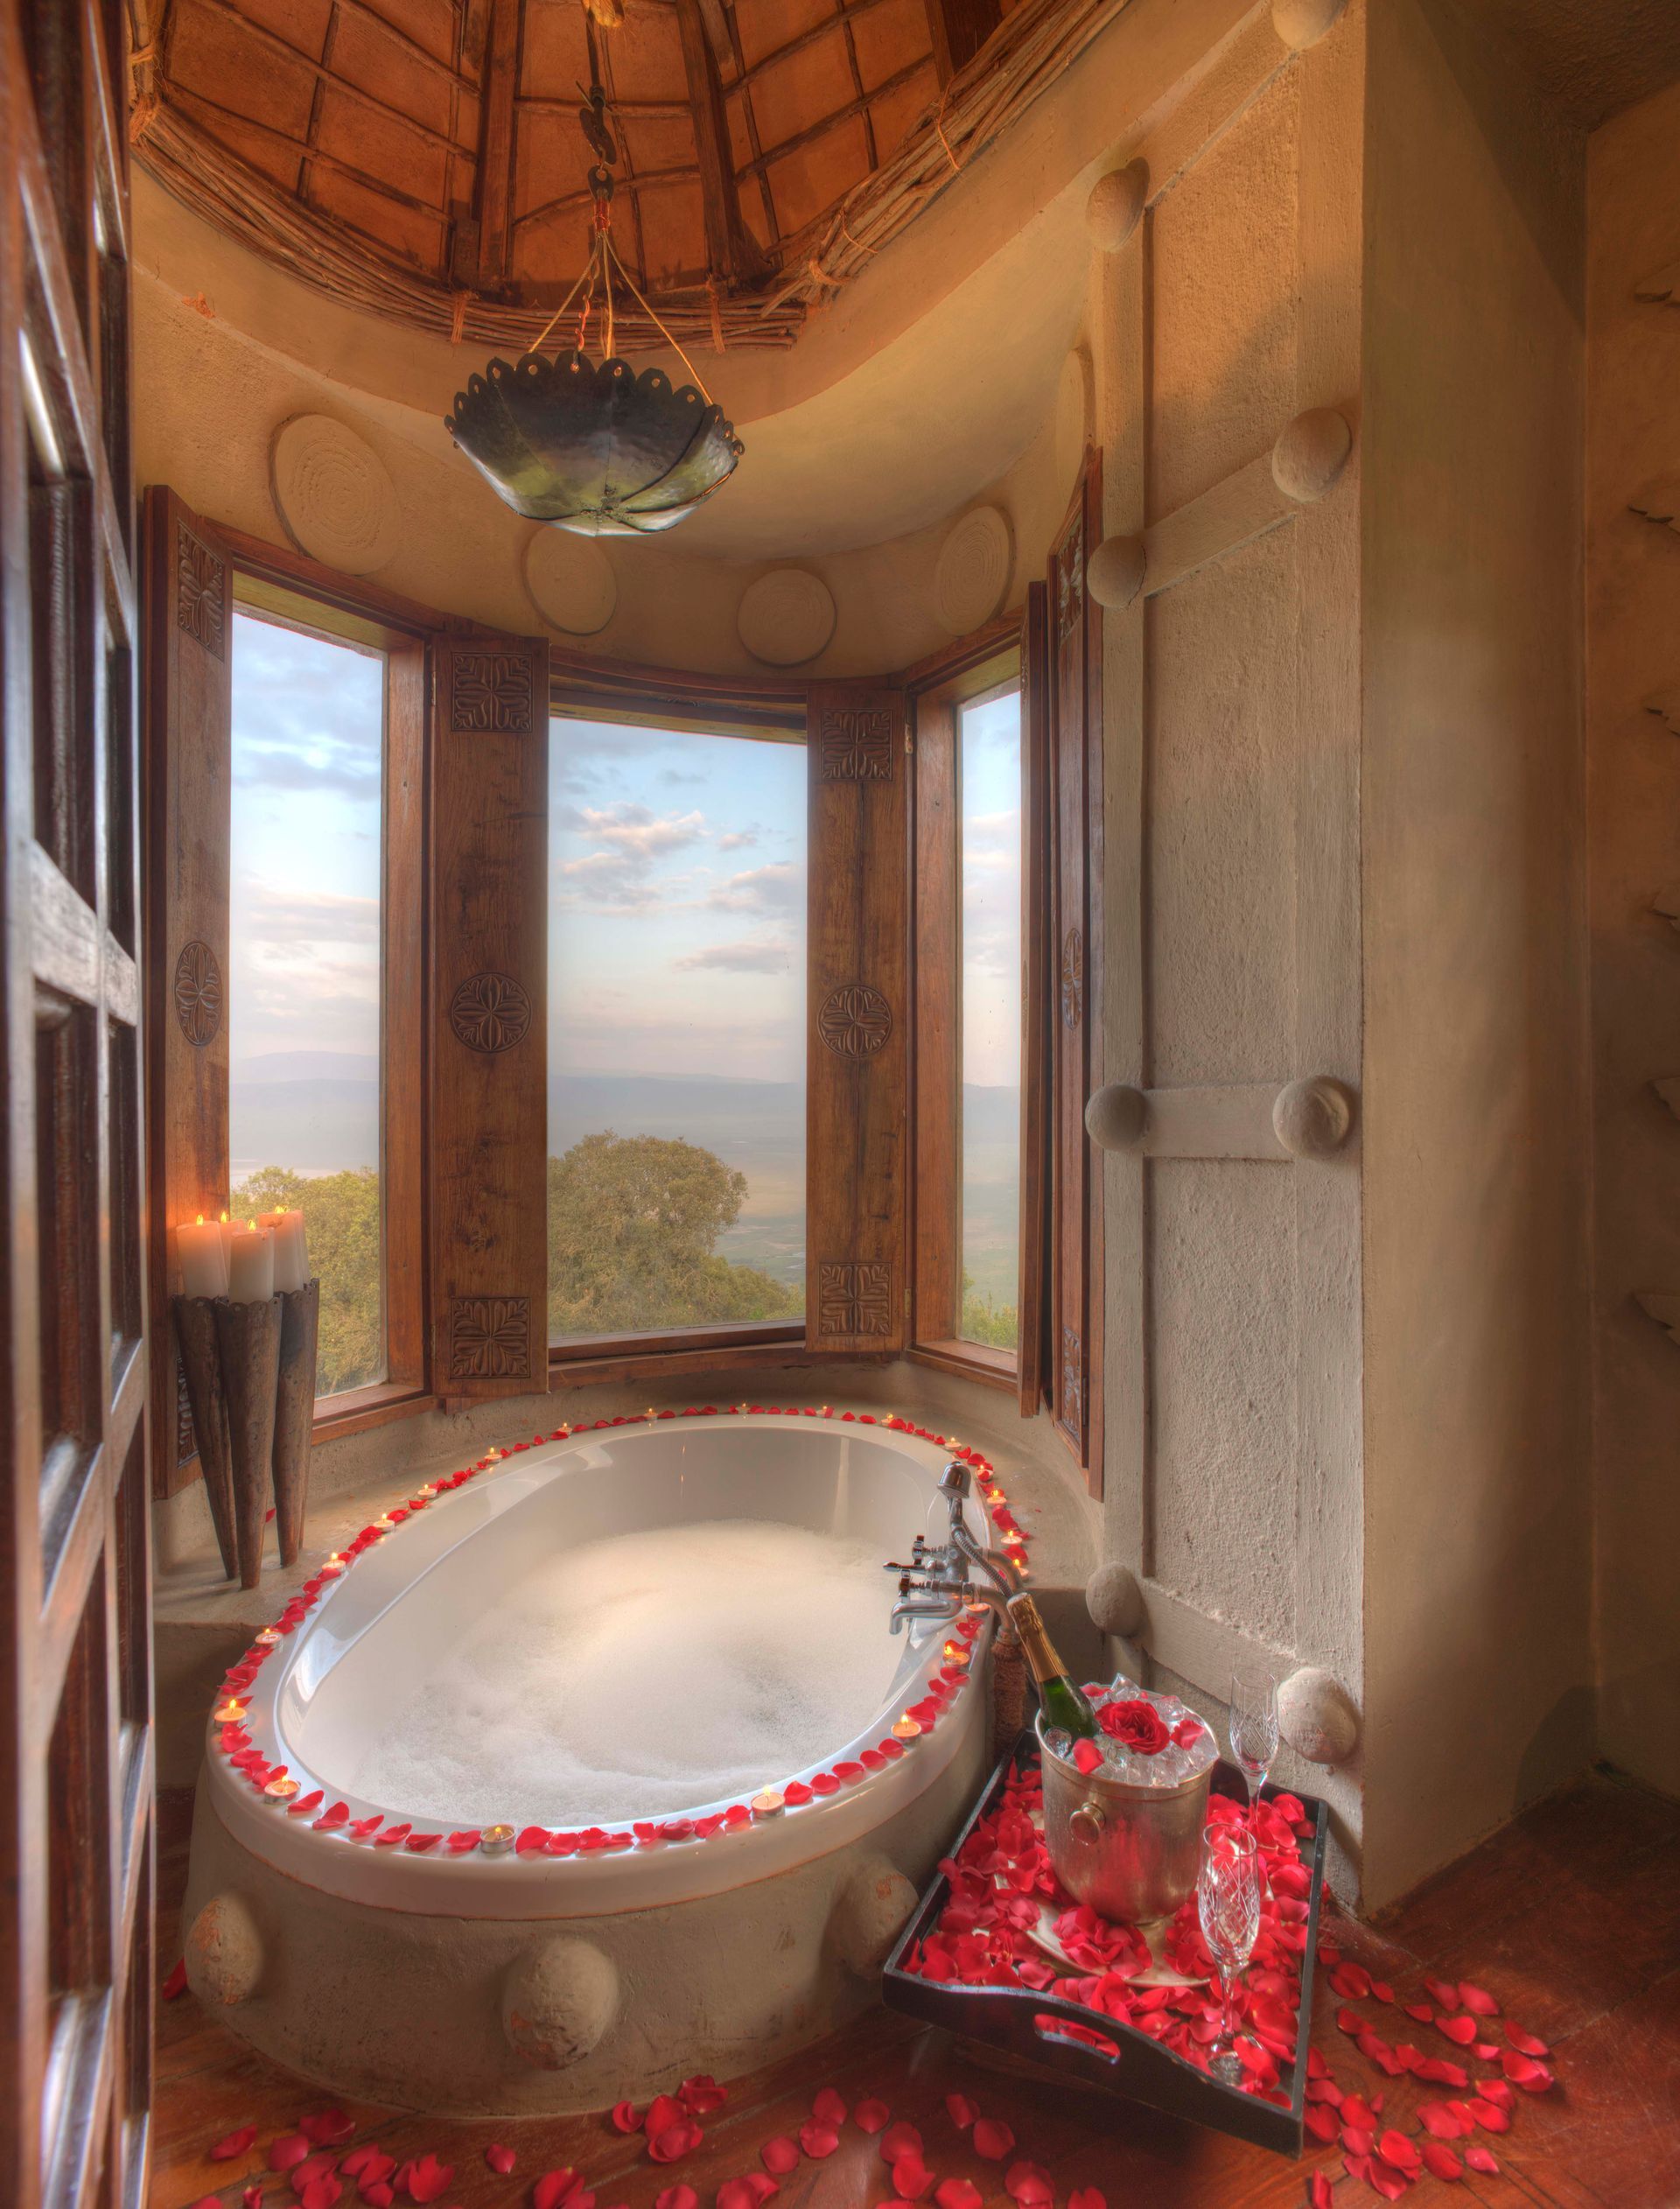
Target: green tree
[(633, 1223), (341, 1219), (985, 1321)]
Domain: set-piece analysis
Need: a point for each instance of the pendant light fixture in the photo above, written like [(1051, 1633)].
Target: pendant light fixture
[(590, 444)]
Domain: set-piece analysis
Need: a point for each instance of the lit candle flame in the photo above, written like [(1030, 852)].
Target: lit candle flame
[(906, 1729)]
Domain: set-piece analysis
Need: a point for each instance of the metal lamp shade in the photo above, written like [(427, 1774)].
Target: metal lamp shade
[(591, 445)]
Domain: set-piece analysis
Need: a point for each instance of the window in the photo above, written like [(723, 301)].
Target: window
[(967, 898), (676, 1036), (988, 863), (304, 987)]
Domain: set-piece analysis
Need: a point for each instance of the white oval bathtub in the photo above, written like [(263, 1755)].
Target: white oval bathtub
[(405, 1656)]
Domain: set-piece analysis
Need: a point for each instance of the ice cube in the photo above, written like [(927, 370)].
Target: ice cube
[(1058, 1741)]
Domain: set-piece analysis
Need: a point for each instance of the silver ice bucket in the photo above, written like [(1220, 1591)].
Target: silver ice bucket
[(1132, 1852)]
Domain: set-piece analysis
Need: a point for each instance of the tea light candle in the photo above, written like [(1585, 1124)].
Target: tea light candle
[(204, 1261), (384, 1525), (906, 1730), (250, 1266), (290, 1249), (768, 1803), (957, 1653), (495, 1841), (268, 1639), (280, 1788), (230, 1712)]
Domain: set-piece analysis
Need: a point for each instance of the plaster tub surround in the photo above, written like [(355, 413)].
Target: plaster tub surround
[(649, 1949)]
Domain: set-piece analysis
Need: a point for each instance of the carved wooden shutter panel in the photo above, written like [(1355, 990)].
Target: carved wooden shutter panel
[(1075, 1373), (188, 599), (489, 1030), (858, 1021)]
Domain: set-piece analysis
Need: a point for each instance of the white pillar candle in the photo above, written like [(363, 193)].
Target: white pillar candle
[(204, 1262), (250, 1266), (228, 1228), (291, 1251)]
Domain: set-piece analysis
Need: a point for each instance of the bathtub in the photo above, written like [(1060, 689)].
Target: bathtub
[(503, 1966)]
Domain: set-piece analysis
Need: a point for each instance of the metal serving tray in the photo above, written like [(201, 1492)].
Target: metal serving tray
[(1003, 2018)]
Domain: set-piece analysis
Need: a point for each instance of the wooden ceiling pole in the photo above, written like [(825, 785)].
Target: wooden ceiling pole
[(731, 253), (495, 194), (960, 28)]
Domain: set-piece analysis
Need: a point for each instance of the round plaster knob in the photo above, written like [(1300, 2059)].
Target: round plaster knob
[(557, 2002), (871, 1907), (1115, 1116), (1301, 23), (1317, 1717), (1116, 206), (1115, 574), (1311, 1119), (1115, 1600), (225, 1954), (1310, 452)]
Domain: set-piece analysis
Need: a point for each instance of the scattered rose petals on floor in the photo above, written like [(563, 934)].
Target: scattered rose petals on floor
[(872, 2116), (828, 2108), (702, 2096), (555, 2188), (1477, 2000), (961, 2111), (500, 2158), (677, 2197), (780, 2155), (426, 2179), (1029, 2184), (251, 2198), (288, 2148), (328, 2127), (369, 2163), (1460, 2028), (1441, 2161), (673, 2142), (321, 2192), (899, 2141), (1318, 2191), (992, 2139), (958, 2193), (1088, 2197), (817, 2139), (231, 2144), (1481, 2159), (175, 1985), (626, 2117), (322, 2165), (911, 2178)]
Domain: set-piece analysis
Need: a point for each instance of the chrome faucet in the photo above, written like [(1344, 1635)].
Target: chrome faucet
[(936, 1583)]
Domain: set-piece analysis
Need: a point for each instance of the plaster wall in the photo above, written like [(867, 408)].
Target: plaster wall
[(1633, 648), (1478, 1659)]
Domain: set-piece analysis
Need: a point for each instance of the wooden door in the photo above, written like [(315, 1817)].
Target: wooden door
[(76, 1689)]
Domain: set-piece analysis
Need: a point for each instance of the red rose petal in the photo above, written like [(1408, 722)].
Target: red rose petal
[(900, 2139), (328, 2127), (626, 2117), (1440, 2162), (501, 2159), (1318, 2191), (1423, 2011), (1395, 2150), (1524, 2072), (677, 2197), (664, 2110), (306, 1804), (780, 2155), (871, 2116), (1360, 2140), (741, 2194), (795, 1793), (702, 2096), (992, 2139), (370, 2165), (817, 2139), (231, 2144), (1489, 2115), (1524, 2042), (252, 2197), (322, 2165), (377, 2193), (321, 2193), (1088, 1757), (959, 2193), (289, 2149), (1355, 2110), (1461, 2028), (828, 2108), (1481, 2159), (675, 2141), (961, 2111), (1029, 2184), (554, 2187), (911, 2178), (175, 1985), (1477, 2000), (428, 2178), (1444, 1992), (1320, 2120), (1090, 2198), (334, 1815), (1437, 2118)]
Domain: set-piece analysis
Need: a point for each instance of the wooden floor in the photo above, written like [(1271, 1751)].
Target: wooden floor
[(1570, 1917)]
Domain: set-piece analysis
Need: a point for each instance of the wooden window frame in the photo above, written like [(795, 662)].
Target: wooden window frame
[(937, 690), (583, 687), (296, 591)]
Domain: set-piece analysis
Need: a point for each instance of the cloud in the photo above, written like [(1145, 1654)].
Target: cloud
[(315, 762), (777, 889), (738, 839), (635, 829), (762, 957), (264, 914)]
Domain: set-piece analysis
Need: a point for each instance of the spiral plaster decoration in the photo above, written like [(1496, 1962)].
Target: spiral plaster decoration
[(971, 575), (570, 581), (785, 618), (333, 495)]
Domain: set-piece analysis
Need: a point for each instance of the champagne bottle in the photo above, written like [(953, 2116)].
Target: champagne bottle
[(1064, 1706)]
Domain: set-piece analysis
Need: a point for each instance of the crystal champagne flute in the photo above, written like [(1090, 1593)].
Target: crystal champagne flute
[(1253, 1726), (1228, 1902)]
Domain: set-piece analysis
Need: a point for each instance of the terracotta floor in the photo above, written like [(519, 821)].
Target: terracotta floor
[(1570, 1917)]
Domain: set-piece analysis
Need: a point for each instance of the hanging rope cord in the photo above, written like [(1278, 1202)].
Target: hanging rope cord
[(604, 258)]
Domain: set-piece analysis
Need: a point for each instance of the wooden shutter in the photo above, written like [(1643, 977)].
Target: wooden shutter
[(1036, 1036), (1074, 789), (76, 1849), (188, 598), (858, 1019), (489, 1028)]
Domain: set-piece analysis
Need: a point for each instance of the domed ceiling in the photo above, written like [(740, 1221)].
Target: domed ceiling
[(427, 159)]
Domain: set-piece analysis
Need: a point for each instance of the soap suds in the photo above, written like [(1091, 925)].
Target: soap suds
[(641, 1675)]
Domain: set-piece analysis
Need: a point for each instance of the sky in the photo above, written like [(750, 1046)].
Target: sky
[(677, 903), (990, 769), (308, 733)]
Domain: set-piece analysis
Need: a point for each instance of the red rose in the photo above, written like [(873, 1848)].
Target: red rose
[(1139, 1724)]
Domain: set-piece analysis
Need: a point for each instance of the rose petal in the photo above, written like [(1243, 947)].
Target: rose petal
[(1461, 2028), (427, 2178), (871, 2116), (500, 2158), (780, 2155), (677, 2197), (251, 2198), (1090, 2198), (626, 2117), (1029, 2184), (377, 2193), (1320, 2120), (958, 2193), (1318, 2191), (1481, 2159), (321, 2192), (1444, 1992), (1423, 2011), (961, 2110), (992, 2139), (175, 1985), (321, 2164), (738, 2193), (676, 2141), (828, 2108), (1395, 2150), (1524, 2042), (289, 2149), (1489, 2115), (1441, 2161), (817, 2139), (231, 2144), (911, 2178), (554, 2187), (664, 2110), (702, 2096), (1088, 1757), (1477, 2000), (899, 2141)]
